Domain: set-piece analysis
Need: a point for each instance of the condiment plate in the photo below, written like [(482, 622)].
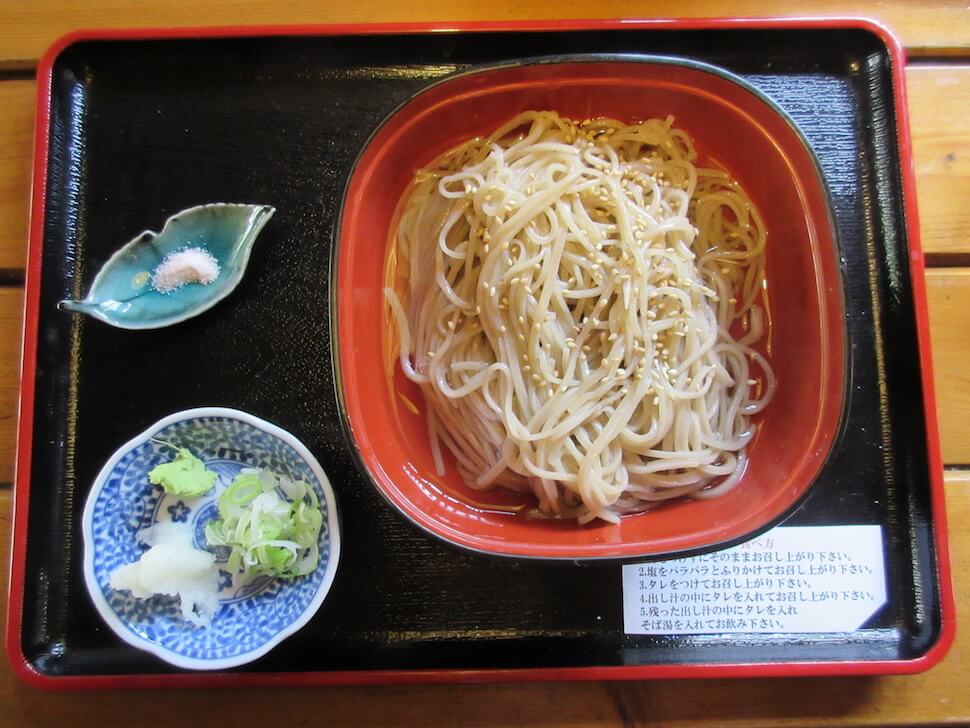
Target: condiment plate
[(254, 615)]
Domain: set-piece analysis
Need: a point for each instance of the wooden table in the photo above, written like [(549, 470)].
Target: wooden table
[(937, 37)]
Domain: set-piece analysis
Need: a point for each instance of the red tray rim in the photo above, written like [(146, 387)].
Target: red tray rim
[(14, 649)]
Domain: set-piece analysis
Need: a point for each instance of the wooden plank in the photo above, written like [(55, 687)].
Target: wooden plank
[(926, 699), (939, 97), (943, 210), (29, 28), (16, 133), (11, 305), (948, 294)]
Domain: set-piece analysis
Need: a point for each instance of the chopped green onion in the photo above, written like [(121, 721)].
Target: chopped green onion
[(268, 534)]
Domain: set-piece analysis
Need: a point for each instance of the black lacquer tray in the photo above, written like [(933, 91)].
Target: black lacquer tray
[(137, 125)]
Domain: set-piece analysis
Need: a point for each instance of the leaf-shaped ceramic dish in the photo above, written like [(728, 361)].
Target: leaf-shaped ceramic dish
[(122, 294)]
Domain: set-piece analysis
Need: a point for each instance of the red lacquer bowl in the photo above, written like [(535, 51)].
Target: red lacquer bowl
[(731, 124)]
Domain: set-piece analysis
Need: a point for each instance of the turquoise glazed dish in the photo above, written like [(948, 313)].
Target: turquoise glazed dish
[(122, 293), (253, 616)]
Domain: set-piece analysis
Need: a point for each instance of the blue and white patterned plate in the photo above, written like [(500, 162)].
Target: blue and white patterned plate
[(252, 618)]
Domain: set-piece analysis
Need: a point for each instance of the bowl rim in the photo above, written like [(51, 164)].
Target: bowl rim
[(111, 618), (827, 224)]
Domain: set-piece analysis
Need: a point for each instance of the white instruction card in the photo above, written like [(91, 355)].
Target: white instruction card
[(791, 579)]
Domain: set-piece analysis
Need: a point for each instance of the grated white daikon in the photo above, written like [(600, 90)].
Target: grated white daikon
[(173, 567)]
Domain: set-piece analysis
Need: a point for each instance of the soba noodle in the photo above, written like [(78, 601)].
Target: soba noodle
[(565, 296)]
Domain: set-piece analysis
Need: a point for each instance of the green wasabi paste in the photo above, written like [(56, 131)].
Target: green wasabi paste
[(186, 475)]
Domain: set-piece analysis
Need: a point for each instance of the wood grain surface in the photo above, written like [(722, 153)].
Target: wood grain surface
[(948, 291), (11, 315), (949, 299), (937, 36), (933, 26), (939, 100), (17, 99), (930, 698)]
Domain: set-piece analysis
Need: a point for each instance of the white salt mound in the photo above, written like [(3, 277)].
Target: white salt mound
[(173, 567), (192, 265)]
